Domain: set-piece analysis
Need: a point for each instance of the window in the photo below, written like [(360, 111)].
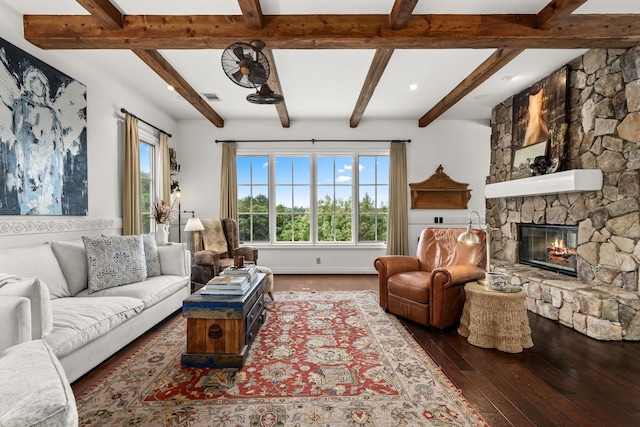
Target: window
[(147, 184), (253, 198), (334, 187), (293, 208), (312, 198), (373, 198)]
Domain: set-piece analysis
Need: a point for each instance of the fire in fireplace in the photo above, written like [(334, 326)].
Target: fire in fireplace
[(551, 247)]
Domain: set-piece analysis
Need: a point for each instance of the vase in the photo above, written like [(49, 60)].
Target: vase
[(162, 234)]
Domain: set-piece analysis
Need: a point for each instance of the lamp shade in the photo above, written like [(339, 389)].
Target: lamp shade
[(469, 236), (193, 224)]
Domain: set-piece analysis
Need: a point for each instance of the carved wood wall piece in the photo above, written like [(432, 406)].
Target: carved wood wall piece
[(439, 191)]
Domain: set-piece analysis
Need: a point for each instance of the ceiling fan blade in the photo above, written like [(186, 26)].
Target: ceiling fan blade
[(239, 52), (257, 74), (238, 75)]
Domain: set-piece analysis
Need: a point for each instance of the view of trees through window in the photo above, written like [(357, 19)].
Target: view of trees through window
[(294, 216), (147, 184)]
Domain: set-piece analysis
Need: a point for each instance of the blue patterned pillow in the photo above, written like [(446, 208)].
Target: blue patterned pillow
[(114, 261), (151, 255)]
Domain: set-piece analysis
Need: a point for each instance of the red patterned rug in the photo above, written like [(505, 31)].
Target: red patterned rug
[(320, 359)]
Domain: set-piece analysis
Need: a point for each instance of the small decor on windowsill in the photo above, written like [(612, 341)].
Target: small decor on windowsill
[(162, 215)]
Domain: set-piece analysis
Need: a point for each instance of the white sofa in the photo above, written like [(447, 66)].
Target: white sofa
[(49, 292)]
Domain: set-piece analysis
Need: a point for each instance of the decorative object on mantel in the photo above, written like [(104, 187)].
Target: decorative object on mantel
[(540, 127), (439, 192), (43, 169)]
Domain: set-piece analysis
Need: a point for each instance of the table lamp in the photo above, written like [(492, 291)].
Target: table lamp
[(193, 224)]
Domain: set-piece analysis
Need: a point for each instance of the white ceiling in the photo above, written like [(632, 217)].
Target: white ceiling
[(325, 84)]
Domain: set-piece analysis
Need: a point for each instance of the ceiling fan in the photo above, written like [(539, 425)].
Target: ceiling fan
[(247, 66)]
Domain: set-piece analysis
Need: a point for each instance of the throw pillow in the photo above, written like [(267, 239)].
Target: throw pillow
[(114, 261), (73, 262), (174, 260), (38, 294), (38, 261), (151, 255), (213, 236)]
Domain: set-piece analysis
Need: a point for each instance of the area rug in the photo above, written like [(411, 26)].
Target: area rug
[(321, 359)]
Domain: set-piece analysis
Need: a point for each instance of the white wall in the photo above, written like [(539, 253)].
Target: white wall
[(105, 97), (461, 147)]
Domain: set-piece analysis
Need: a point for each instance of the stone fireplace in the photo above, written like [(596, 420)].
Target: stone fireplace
[(603, 134)]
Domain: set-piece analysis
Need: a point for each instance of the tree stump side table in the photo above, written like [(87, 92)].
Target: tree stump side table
[(493, 319)]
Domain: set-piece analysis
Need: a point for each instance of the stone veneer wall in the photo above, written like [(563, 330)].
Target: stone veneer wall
[(603, 133)]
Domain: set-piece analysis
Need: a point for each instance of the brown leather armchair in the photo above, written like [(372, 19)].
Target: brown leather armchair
[(215, 247), (429, 289)]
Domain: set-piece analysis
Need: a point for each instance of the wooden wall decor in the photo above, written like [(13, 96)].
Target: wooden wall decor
[(439, 192)]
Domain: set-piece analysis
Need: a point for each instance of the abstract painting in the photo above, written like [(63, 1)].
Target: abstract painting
[(540, 115), (43, 138)]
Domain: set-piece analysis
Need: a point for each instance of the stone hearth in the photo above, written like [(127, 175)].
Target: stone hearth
[(603, 133), (599, 311)]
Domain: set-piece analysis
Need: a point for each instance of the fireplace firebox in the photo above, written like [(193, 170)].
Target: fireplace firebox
[(551, 247)]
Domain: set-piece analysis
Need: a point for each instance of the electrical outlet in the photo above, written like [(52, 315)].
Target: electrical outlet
[(318, 260)]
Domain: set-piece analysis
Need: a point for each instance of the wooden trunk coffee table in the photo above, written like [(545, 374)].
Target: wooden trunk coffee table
[(494, 319), (221, 328)]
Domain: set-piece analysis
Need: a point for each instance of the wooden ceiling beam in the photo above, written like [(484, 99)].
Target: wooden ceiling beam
[(274, 84), (104, 12), (556, 11), (252, 13), (495, 62), (378, 65), (549, 17), (334, 32), (162, 67), (401, 13), (398, 19)]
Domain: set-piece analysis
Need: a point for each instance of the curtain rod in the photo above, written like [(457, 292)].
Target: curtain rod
[(122, 110), (313, 141)]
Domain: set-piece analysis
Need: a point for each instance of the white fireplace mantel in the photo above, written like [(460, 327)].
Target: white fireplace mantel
[(570, 181)]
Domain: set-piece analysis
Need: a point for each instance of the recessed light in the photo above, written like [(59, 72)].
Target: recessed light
[(413, 86), (507, 78), (481, 96), (169, 87)]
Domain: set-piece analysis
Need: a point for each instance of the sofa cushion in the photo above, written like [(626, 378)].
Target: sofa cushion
[(114, 261), (213, 235), (151, 291), (35, 391), (38, 261), (173, 260), (151, 255), (72, 258), (38, 295), (15, 318), (78, 320)]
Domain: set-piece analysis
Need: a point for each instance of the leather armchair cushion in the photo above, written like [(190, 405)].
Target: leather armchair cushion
[(411, 285)]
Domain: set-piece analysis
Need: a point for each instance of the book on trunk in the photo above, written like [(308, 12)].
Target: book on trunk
[(227, 282), (248, 271)]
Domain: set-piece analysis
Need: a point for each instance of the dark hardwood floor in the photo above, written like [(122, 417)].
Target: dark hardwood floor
[(566, 379)]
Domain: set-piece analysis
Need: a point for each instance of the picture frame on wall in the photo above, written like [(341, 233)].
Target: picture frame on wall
[(540, 117), (43, 138), (526, 159)]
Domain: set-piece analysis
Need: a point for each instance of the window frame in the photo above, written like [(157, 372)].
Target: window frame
[(354, 153)]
